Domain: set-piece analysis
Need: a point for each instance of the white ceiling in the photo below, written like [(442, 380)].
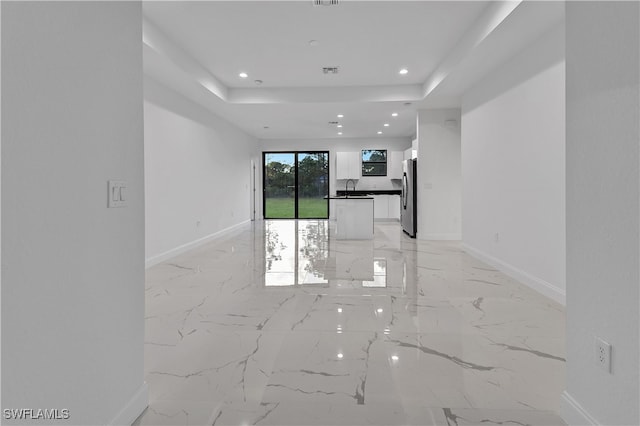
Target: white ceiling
[(199, 48)]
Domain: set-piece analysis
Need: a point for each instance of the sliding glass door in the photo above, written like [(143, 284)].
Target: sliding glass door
[(313, 185), (296, 185), (279, 185)]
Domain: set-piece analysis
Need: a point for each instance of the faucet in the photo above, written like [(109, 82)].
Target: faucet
[(346, 185)]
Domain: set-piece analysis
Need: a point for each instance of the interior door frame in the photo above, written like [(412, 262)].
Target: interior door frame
[(295, 162)]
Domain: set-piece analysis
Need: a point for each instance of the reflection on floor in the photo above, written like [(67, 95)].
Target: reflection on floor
[(283, 325)]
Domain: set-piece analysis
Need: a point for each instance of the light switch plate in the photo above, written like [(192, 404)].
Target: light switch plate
[(116, 195)]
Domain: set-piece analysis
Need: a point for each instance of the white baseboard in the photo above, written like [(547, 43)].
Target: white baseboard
[(136, 405), (439, 237), (154, 260), (573, 413), (535, 283)]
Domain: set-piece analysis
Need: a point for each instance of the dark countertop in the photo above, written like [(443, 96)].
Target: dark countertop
[(342, 193), (351, 197)]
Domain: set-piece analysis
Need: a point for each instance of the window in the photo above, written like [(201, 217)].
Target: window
[(374, 162)]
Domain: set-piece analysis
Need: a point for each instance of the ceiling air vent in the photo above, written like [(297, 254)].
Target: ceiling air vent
[(330, 70), (325, 2)]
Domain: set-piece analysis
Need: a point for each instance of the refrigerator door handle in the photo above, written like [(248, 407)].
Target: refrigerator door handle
[(405, 183)]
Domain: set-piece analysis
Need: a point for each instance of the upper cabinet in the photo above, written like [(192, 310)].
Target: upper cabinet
[(348, 165), (394, 168)]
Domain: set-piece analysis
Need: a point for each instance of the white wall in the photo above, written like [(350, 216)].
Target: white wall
[(513, 163), (438, 175), (0, 199), (72, 269), (339, 145), (197, 173), (603, 109)]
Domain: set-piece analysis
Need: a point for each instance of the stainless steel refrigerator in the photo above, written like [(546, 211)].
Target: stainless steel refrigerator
[(408, 214)]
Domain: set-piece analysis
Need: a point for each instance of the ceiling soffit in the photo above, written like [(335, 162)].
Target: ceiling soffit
[(304, 111), (488, 21)]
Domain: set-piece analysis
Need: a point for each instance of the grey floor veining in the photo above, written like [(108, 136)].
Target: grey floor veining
[(283, 325)]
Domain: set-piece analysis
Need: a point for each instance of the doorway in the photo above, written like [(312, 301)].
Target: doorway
[(295, 185)]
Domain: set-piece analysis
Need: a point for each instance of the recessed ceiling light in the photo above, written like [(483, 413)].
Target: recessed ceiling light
[(340, 355), (404, 71), (258, 82), (313, 43), (326, 2), (379, 133), (339, 134), (395, 114), (386, 124), (243, 75), (340, 116), (339, 125)]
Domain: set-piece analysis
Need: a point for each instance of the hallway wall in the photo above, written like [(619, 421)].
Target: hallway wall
[(513, 167), (439, 175), (197, 173), (603, 211), (72, 269)]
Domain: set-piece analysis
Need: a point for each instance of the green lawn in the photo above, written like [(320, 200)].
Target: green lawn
[(282, 208)]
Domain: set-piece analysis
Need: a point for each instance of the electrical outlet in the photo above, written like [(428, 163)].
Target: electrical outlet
[(603, 355)]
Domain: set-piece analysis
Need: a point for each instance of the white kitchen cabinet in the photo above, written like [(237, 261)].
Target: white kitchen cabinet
[(380, 206), (411, 153), (407, 154), (386, 207), (347, 165), (394, 165), (394, 207)]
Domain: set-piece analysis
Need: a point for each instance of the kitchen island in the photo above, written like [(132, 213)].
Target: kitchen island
[(354, 217)]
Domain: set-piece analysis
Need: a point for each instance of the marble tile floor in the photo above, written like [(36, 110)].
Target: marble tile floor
[(280, 324)]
